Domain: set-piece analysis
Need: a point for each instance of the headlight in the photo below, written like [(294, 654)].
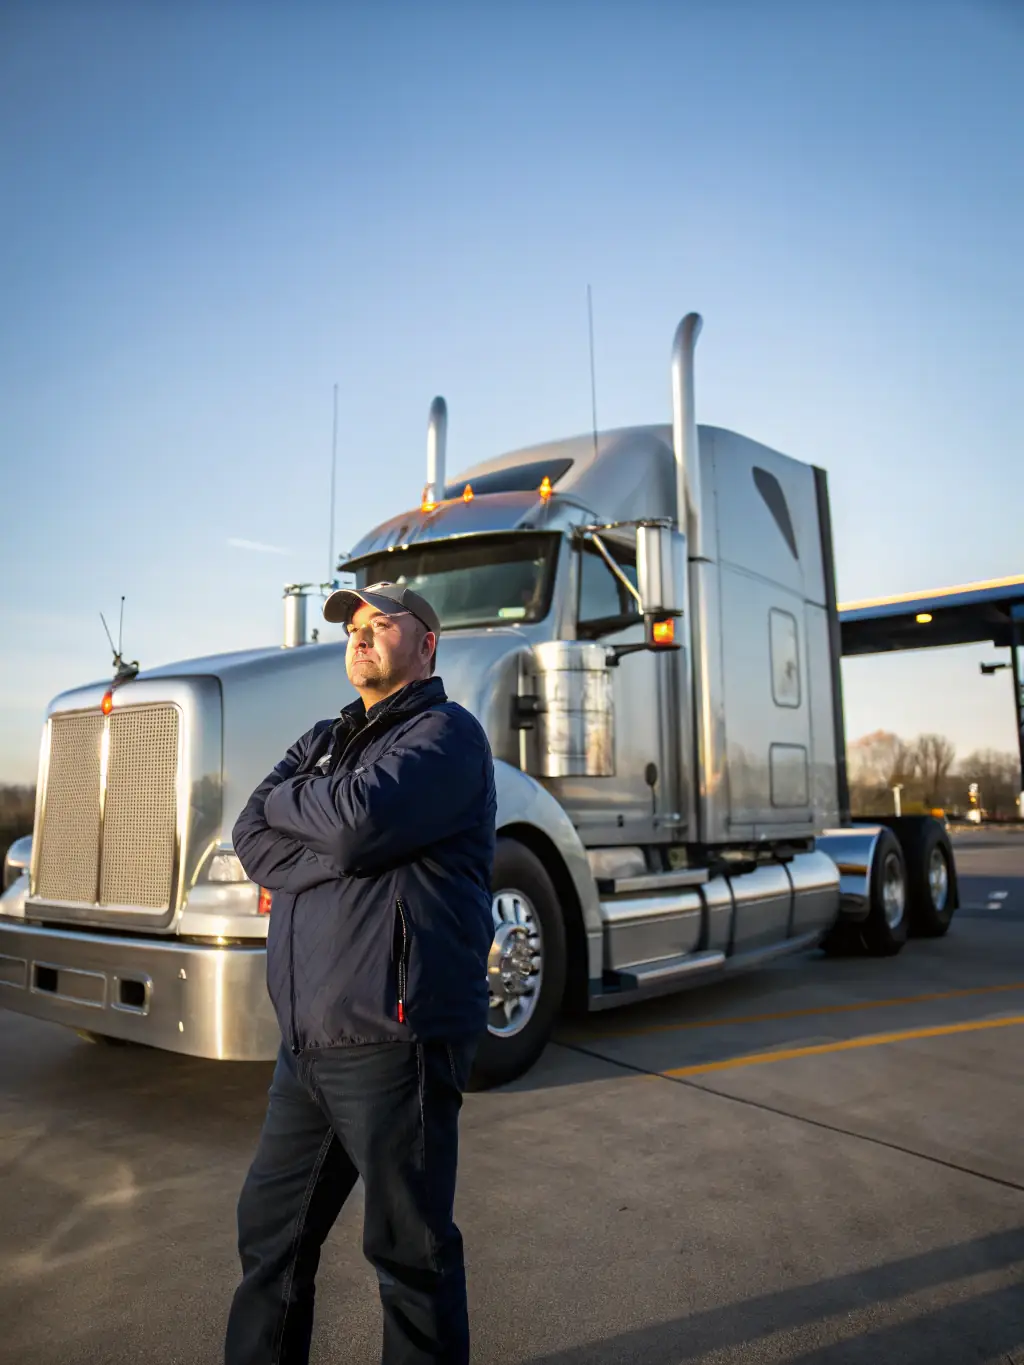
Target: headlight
[(19, 855), (225, 867)]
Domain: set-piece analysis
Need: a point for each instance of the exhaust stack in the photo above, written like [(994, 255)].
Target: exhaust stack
[(295, 614), (684, 433), (437, 438)]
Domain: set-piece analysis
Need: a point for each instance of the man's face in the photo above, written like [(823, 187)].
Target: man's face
[(385, 652)]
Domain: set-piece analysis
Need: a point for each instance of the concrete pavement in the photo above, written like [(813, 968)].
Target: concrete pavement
[(853, 1196)]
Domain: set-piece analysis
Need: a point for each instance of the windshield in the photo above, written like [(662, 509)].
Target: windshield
[(483, 581)]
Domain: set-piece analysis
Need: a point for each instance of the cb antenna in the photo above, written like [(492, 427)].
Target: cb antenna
[(593, 380), (334, 469), (122, 672)]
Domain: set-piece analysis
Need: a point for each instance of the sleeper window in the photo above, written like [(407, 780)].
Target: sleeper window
[(785, 650)]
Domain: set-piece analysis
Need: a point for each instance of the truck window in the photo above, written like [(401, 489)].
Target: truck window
[(604, 604), (784, 639), (488, 580)]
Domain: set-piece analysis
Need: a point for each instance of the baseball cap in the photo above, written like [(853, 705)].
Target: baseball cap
[(343, 603)]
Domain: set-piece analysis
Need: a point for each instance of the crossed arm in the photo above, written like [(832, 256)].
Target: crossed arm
[(271, 858), (421, 791), (298, 831)]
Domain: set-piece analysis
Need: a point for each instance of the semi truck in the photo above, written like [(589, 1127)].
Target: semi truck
[(644, 621)]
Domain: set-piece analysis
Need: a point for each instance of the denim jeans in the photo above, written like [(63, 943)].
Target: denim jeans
[(386, 1112)]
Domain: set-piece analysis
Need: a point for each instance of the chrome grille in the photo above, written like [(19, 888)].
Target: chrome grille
[(69, 848), (140, 808), (111, 843)]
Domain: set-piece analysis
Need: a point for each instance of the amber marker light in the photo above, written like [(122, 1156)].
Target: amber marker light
[(664, 632), (545, 488), (467, 493), (425, 503), (107, 704), (923, 617)]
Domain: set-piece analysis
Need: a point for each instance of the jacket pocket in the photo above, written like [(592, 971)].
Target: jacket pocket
[(401, 956)]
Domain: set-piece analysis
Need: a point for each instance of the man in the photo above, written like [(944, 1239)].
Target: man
[(375, 834)]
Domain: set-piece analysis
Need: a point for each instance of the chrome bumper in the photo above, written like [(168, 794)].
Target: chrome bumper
[(203, 1000)]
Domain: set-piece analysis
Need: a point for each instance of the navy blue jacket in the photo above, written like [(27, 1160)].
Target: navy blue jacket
[(375, 834)]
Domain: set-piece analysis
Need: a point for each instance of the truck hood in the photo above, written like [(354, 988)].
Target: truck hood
[(272, 696)]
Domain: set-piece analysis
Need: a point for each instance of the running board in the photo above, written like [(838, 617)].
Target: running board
[(674, 973), (757, 957), (656, 978)]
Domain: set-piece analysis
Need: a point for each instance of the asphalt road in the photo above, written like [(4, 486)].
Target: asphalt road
[(821, 1164)]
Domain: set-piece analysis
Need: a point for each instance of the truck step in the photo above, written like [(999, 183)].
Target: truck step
[(656, 881), (656, 978)]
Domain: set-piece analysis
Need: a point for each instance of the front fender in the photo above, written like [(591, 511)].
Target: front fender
[(523, 801)]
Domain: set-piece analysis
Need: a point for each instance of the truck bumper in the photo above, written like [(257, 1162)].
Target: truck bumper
[(200, 999)]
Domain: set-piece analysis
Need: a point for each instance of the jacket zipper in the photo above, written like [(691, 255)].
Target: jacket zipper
[(291, 973), (402, 962)]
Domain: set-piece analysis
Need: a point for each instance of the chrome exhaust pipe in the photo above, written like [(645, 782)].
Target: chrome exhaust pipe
[(295, 615), (684, 433), (437, 439)]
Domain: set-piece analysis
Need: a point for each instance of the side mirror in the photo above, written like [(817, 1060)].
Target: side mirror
[(660, 590), (660, 575)]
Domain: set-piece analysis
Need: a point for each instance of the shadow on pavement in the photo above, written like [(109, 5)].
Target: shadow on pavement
[(986, 1326)]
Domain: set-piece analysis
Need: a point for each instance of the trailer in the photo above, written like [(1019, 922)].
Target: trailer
[(643, 620)]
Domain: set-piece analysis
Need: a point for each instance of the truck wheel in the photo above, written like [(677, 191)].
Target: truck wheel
[(931, 876), (885, 929), (843, 940), (526, 968)]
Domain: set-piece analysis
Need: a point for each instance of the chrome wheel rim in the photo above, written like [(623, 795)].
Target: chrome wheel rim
[(938, 878), (515, 964), (894, 891)]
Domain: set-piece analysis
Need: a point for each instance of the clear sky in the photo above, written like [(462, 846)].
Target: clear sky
[(213, 212)]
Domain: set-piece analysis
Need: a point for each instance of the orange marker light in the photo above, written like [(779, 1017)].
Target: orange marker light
[(664, 632), (107, 704), (467, 493), (266, 897), (545, 488), (426, 503)]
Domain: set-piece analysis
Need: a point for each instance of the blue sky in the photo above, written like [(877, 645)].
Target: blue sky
[(214, 212)]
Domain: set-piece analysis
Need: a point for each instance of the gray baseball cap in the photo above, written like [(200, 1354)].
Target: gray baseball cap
[(343, 603)]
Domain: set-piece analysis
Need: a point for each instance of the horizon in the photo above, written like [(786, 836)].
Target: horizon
[(214, 218)]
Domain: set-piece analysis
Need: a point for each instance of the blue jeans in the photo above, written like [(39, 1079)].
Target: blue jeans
[(386, 1112)]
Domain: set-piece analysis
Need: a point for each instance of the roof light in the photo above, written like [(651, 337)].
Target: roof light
[(427, 503), (923, 617), (467, 493), (664, 632), (545, 488), (107, 704)]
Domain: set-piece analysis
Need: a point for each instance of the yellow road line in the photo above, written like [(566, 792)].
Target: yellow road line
[(849, 1008), (844, 1045)]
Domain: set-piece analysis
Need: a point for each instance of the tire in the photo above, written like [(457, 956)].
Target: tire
[(885, 929), (931, 874), (517, 1031), (843, 940)]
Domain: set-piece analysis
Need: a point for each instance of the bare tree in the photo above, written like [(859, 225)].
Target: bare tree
[(880, 758), (934, 755), (997, 775)]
